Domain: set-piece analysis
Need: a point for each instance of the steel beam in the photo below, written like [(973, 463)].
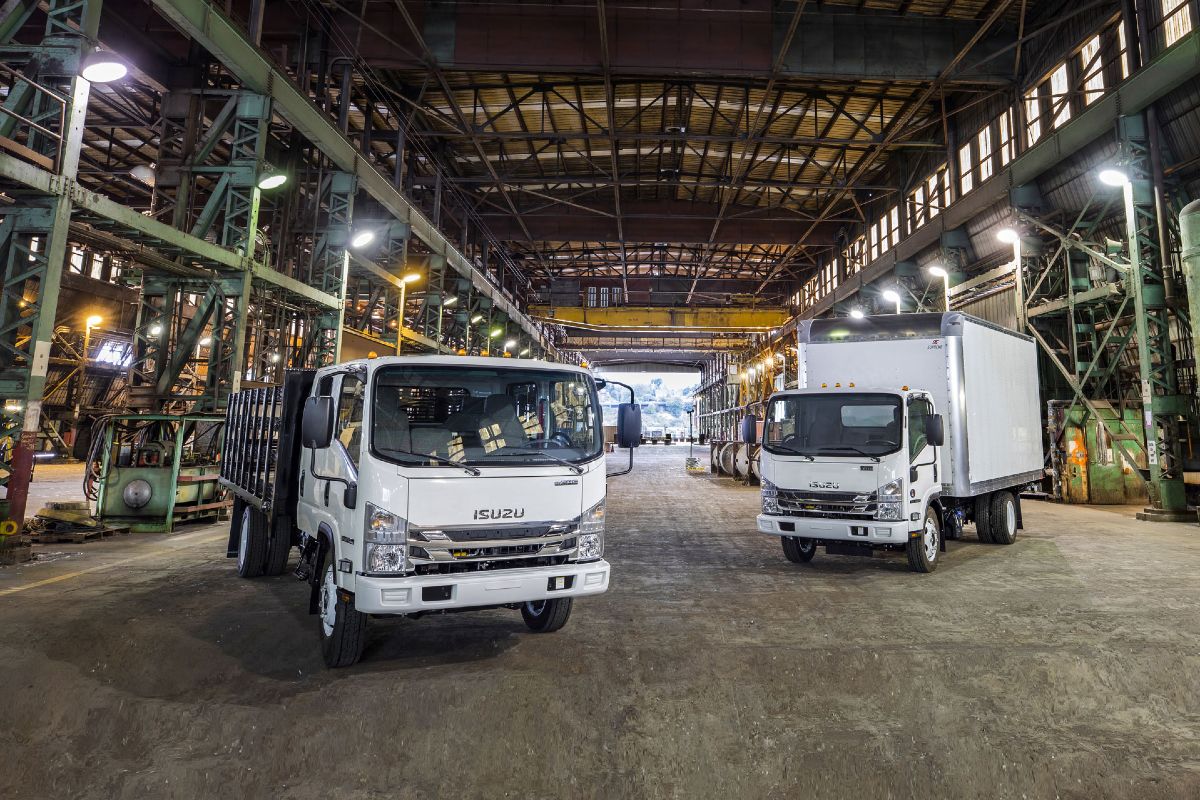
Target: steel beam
[(222, 38), (658, 318)]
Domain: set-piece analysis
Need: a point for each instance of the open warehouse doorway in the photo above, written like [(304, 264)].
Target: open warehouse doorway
[(665, 392)]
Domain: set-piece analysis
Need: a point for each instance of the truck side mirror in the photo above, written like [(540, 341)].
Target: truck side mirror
[(935, 430), (629, 425), (750, 429), (316, 427)]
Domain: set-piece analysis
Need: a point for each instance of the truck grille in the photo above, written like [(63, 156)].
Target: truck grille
[(829, 505), (487, 547)]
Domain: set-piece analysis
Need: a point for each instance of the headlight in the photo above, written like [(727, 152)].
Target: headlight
[(591, 534), (891, 501), (384, 541), (770, 498)]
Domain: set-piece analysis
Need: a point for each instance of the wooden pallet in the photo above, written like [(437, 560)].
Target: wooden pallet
[(76, 536)]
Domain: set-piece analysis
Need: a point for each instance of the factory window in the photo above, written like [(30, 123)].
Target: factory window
[(874, 241), (1124, 50), (984, 142), (1177, 19), (1092, 70), (966, 179), (1033, 117), (1060, 96), (1004, 126), (917, 213), (591, 296), (894, 216)]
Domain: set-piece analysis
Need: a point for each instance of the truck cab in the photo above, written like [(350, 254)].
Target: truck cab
[(430, 484), (854, 469)]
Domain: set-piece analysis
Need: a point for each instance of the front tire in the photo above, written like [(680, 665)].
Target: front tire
[(546, 616), (797, 550), (343, 628), (252, 542), (1003, 514), (923, 550)]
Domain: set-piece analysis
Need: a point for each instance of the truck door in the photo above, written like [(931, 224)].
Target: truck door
[(323, 501), (924, 480)]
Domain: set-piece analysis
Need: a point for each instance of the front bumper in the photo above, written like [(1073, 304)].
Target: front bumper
[(376, 595), (863, 531)]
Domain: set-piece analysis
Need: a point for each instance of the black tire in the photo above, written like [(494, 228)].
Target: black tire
[(252, 542), (546, 616), (1003, 518), (924, 549), (797, 550), (983, 518), (280, 547), (343, 631)]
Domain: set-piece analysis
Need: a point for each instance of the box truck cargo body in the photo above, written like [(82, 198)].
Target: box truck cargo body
[(933, 412)]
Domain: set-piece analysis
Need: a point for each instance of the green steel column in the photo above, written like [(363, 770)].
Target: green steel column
[(331, 262), (25, 361), (1162, 404)]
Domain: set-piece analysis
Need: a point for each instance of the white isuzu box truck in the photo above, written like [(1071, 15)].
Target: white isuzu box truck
[(904, 428)]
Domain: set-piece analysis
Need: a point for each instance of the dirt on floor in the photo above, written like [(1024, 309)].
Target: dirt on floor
[(1062, 666)]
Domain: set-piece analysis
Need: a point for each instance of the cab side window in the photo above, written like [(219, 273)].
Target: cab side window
[(348, 428), (919, 412)]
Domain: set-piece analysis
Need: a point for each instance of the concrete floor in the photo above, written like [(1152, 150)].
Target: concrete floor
[(1063, 666)]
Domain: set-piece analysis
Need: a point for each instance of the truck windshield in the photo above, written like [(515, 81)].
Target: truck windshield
[(832, 424), (484, 416)]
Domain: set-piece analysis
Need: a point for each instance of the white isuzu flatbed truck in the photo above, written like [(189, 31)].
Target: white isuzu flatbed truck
[(904, 428), (424, 484)]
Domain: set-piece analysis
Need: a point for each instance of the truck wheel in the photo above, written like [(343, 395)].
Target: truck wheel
[(983, 518), (923, 550), (546, 616), (797, 550), (343, 629), (280, 547), (252, 542), (1003, 520)]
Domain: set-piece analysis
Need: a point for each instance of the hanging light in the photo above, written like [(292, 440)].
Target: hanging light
[(101, 66), (411, 277), (495, 332), (475, 319), (271, 179), (891, 295), (524, 352), (143, 173), (938, 272), (1112, 176), (856, 313), (362, 238), (451, 301), (1008, 235)]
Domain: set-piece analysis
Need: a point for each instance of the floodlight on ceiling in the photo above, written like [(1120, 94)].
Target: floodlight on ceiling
[(1113, 177), (101, 66)]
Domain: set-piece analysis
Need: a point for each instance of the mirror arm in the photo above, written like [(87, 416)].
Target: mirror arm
[(351, 486), (625, 471)]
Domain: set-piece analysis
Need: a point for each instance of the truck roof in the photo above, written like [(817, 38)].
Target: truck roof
[(465, 361), (883, 327), (856, 389)]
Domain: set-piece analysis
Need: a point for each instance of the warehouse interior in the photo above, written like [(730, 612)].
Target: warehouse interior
[(200, 198)]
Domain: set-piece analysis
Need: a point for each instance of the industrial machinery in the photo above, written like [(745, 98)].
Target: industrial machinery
[(424, 484), (904, 428), (152, 471)]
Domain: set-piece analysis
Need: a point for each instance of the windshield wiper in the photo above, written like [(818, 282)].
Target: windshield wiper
[(787, 449), (852, 449), (438, 459), (577, 469)]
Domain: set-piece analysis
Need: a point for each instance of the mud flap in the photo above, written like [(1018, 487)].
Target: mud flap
[(314, 577)]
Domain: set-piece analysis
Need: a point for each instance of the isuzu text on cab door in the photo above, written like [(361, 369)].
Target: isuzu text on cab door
[(904, 428), (424, 484)]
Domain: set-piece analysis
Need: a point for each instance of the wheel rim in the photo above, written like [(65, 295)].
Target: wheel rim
[(931, 538), (536, 608), (244, 540), (328, 606), (1010, 517), (807, 547)]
